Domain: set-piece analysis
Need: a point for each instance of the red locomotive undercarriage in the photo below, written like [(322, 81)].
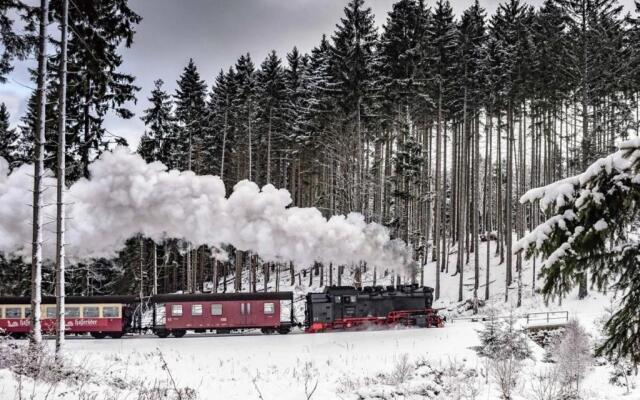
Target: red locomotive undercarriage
[(394, 318)]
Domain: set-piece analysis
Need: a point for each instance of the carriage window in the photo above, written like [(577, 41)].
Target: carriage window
[(51, 312), (27, 312), (110, 312), (216, 309), (72, 312), (13, 312), (176, 310), (1, 314), (91, 312), (269, 308), (196, 309)]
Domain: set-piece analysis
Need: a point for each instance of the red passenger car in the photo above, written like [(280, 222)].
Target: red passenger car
[(222, 312), (99, 316)]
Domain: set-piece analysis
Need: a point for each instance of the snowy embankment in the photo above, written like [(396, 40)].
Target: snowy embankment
[(394, 364)]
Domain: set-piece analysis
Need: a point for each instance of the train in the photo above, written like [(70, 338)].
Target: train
[(335, 308)]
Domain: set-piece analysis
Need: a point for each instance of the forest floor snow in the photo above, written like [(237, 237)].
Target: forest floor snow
[(407, 363)]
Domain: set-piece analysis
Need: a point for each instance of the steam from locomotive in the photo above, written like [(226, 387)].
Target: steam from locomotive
[(127, 196)]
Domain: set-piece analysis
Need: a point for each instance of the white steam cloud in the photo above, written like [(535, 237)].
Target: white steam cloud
[(127, 196)]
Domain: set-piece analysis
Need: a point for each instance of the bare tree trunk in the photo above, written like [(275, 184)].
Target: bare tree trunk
[(509, 201), (60, 192), (239, 262), (439, 192), (155, 269), (487, 214), (224, 140), (269, 150), (474, 210), (463, 197), (38, 167)]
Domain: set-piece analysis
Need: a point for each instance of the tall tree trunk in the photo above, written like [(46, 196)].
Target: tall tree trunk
[(439, 192), (269, 149), (60, 189), (38, 172), (224, 139), (509, 200), (474, 210), (488, 173)]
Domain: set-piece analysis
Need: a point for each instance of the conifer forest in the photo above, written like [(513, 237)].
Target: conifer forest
[(492, 154)]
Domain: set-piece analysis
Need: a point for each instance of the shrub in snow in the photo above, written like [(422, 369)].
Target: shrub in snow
[(573, 356), (402, 370), (506, 347), (623, 374), (502, 339), (489, 335), (545, 385)]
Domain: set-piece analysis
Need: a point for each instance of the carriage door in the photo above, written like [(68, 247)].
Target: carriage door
[(245, 313)]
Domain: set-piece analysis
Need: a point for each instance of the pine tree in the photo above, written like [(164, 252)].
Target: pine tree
[(190, 99), (245, 106), (401, 59), (8, 139), (191, 116), (352, 80), (443, 43), (159, 141), (588, 230), (220, 141), (270, 102), (98, 30), (13, 44), (470, 59)]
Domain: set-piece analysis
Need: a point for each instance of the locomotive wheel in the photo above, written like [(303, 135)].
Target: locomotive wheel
[(268, 331), (178, 333), (162, 334), (98, 335), (115, 335), (223, 331), (284, 331)]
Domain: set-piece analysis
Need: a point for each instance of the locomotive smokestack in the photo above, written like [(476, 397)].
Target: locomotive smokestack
[(127, 196)]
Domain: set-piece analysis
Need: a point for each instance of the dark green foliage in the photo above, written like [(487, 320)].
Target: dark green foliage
[(12, 44), (159, 141), (190, 99), (8, 139), (593, 230)]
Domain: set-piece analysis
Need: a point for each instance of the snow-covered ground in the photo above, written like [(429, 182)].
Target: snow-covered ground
[(404, 363)]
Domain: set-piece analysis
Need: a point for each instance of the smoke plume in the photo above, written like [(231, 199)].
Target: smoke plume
[(127, 196)]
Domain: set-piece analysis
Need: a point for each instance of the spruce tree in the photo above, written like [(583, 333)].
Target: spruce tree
[(271, 91), (245, 110), (190, 99), (12, 44), (220, 142), (98, 30), (8, 139), (352, 80), (158, 141), (442, 40)]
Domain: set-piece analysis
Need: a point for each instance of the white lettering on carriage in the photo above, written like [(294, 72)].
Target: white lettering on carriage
[(19, 323), (86, 322)]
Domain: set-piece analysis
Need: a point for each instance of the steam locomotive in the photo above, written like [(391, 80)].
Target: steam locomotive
[(345, 307), (336, 308)]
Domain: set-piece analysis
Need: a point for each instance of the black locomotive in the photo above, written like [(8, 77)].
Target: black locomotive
[(342, 307)]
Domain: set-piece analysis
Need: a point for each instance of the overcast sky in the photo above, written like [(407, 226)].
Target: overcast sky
[(214, 33)]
